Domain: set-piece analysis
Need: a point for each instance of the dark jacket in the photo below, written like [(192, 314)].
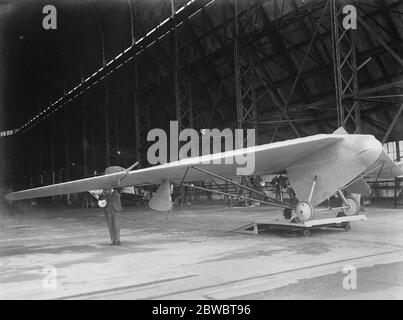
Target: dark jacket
[(112, 200)]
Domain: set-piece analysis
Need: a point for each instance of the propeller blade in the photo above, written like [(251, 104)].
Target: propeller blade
[(132, 166), (126, 172)]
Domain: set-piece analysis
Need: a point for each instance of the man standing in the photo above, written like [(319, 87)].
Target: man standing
[(112, 209)]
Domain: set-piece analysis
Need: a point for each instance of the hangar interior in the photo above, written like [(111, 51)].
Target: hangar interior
[(82, 97)]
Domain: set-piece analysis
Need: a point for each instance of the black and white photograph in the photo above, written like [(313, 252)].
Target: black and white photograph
[(201, 155)]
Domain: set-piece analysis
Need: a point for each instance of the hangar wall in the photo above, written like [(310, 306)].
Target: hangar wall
[(285, 68)]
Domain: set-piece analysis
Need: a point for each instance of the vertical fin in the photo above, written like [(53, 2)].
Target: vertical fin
[(162, 200), (340, 130)]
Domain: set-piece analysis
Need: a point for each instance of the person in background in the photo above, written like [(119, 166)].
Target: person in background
[(112, 212)]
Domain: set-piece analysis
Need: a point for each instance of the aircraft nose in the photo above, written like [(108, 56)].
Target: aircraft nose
[(371, 149)]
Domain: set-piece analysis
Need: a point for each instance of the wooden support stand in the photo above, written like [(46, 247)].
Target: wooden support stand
[(304, 228)]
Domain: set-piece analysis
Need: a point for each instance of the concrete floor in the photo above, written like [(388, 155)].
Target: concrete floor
[(194, 255)]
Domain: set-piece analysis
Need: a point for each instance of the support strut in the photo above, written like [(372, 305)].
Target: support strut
[(273, 201), (232, 195), (244, 187)]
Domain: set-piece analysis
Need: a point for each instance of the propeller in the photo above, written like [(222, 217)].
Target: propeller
[(102, 203), (126, 172)]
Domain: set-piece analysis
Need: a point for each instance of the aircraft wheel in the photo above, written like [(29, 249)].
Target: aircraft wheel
[(304, 211), (306, 233), (347, 226), (354, 206), (102, 203)]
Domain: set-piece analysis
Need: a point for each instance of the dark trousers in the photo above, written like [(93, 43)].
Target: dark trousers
[(112, 217)]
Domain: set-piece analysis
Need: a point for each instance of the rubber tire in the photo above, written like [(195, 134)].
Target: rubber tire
[(306, 233), (102, 203), (298, 215), (353, 201)]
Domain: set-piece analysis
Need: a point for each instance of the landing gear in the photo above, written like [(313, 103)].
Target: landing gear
[(102, 203), (304, 211), (354, 206)]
